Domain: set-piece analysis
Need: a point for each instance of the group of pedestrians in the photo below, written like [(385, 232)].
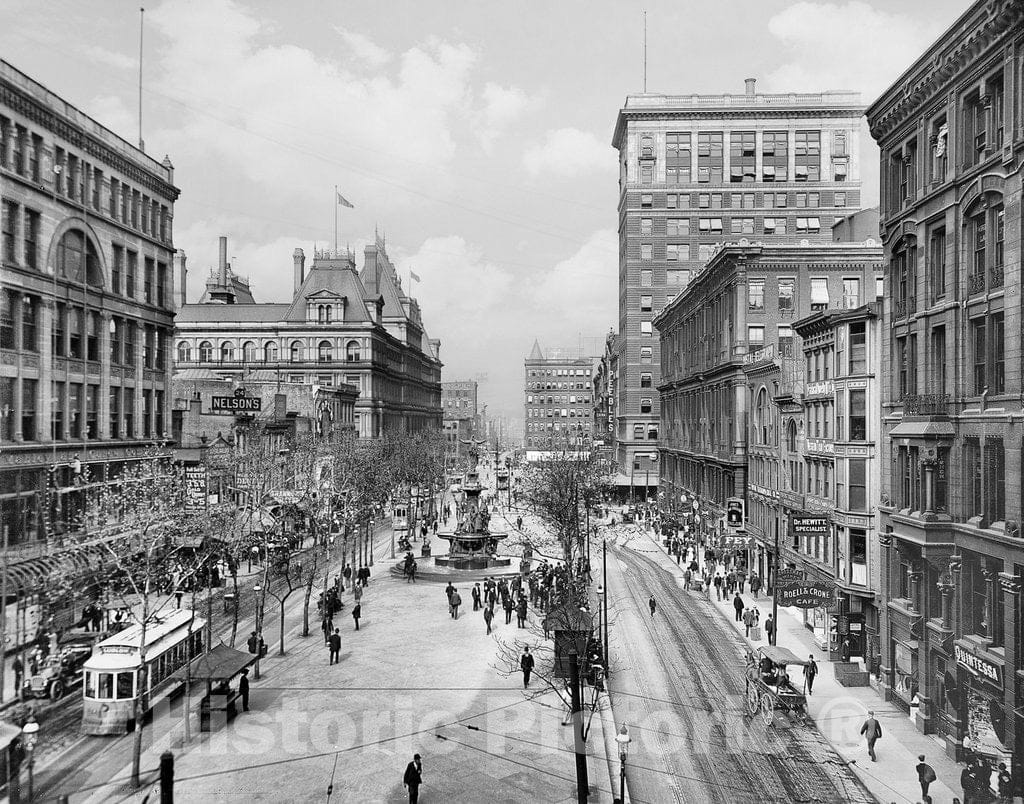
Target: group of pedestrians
[(512, 594)]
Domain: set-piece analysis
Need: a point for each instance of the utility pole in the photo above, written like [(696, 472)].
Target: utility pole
[(604, 573), (775, 586), (580, 747)]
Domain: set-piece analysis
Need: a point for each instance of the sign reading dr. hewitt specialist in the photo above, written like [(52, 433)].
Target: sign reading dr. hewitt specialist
[(808, 525), (239, 403)]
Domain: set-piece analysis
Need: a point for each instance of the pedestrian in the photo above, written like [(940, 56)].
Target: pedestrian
[(335, 643), (718, 586), (737, 604), (872, 731), (521, 613), (810, 671), (449, 590), (413, 778), (178, 594), (1005, 782), (755, 585), (456, 602), (488, 616), (519, 523), (327, 626), (476, 597), (653, 604), (357, 592), (243, 689), (526, 664), (252, 643), (412, 572), (506, 603), (347, 572), (687, 575), (748, 620), (769, 629), (845, 649), (365, 573), (19, 671), (925, 775), (968, 781), (357, 612)]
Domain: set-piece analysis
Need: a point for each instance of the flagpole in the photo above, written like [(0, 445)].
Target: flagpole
[(336, 205)]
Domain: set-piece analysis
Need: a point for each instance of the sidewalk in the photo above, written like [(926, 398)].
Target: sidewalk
[(411, 680), (838, 712)]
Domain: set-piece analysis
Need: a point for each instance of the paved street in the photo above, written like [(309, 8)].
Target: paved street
[(678, 683)]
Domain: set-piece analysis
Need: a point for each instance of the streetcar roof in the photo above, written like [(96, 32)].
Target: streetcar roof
[(160, 626)]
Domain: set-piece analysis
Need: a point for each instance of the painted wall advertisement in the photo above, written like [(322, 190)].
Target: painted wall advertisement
[(196, 480)]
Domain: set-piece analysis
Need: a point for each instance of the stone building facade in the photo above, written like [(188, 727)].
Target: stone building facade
[(699, 170), (86, 309), (558, 398), (342, 326), (951, 134), (461, 419)]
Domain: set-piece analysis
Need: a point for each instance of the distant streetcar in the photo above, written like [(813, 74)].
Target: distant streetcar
[(502, 476), (111, 676)]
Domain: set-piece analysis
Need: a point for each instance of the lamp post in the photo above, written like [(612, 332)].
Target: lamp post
[(603, 625), (258, 590), (371, 541), (622, 738), (31, 732)]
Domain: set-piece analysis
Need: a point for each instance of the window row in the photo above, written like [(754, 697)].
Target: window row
[(251, 352)]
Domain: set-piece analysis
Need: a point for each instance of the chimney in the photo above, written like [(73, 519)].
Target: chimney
[(750, 86), (179, 260), (299, 260), (223, 262)]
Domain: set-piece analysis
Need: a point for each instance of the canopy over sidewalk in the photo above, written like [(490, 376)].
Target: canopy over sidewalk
[(218, 664)]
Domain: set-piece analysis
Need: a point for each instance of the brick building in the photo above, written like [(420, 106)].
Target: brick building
[(86, 310), (461, 419), (698, 170), (558, 401), (729, 348), (341, 327), (951, 136)]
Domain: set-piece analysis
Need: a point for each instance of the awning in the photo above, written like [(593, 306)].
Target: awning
[(781, 656), (27, 576), (639, 478), (923, 428), (219, 664)]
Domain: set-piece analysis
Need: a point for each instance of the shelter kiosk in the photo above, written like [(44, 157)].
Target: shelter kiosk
[(218, 668)]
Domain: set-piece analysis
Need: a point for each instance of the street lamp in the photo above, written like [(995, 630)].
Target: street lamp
[(258, 590), (603, 634), (31, 732), (371, 541), (622, 738)]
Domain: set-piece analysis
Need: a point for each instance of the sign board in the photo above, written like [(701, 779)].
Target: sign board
[(196, 493), (808, 525), (734, 512), (239, 403), (790, 574), (806, 594), (983, 668)]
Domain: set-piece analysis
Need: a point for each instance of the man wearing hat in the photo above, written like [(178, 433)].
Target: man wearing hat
[(925, 775), (413, 778)]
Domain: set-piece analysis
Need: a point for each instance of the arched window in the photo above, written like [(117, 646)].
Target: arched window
[(75, 251), (296, 352), (250, 352), (761, 416), (206, 352), (352, 352), (323, 352), (227, 352), (791, 435), (270, 353), (184, 352)]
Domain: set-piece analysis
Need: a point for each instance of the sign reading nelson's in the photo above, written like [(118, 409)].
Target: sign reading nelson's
[(239, 403)]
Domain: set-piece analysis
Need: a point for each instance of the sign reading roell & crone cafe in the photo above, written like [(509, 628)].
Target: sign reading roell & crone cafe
[(806, 594), (983, 668)]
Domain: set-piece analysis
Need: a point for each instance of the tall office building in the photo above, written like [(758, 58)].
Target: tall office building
[(559, 399), (699, 170)]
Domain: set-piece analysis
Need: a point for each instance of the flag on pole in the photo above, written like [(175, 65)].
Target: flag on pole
[(344, 201), (414, 276)]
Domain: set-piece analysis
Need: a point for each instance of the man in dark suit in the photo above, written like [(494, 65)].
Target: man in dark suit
[(335, 643), (413, 778), (526, 664), (243, 690), (871, 730)]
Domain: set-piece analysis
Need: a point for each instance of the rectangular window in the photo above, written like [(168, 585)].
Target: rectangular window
[(937, 262), (742, 157), (29, 324), (677, 157), (646, 200), (807, 152), (710, 159), (858, 348), (840, 199), (755, 337), (161, 283), (116, 269), (677, 227), (646, 251), (755, 294), (59, 331), (75, 327), (787, 292), (129, 412), (645, 405), (980, 354), (646, 355), (646, 173), (785, 341), (646, 226), (149, 270), (645, 380), (995, 480), (819, 293), (57, 403), (741, 226), (851, 293), (29, 390), (679, 278), (9, 215), (92, 339), (973, 475), (30, 235), (857, 478), (997, 376), (646, 328), (131, 268), (775, 156), (646, 304), (92, 393), (7, 409), (646, 278), (938, 350), (858, 415)]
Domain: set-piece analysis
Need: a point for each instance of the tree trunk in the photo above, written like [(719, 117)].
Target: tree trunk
[(281, 650), (234, 616)]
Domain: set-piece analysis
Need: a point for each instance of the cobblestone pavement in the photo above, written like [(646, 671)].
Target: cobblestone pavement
[(678, 682)]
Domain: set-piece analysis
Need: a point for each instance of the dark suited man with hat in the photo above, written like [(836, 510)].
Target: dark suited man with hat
[(413, 778)]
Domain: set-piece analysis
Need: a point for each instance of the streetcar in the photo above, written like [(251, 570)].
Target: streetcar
[(455, 482), (769, 687), (111, 675), (400, 520), (502, 476)]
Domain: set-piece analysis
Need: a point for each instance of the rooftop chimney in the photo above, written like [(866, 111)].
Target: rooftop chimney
[(299, 259), (223, 262), (750, 86)]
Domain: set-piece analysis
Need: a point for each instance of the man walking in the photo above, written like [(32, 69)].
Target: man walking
[(718, 586), (653, 604), (456, 602), (335, 643), (19, 671), (413, 778), (476, 596), (769, 629), (748, 620), (810, 671), (243, 689), (506, 603), (449, 590), (737, 604), (925, 775), (872, 731), (526, 664), (488, 616), (521, 613), (357, 612)]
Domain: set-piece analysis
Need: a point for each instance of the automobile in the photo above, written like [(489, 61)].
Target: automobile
[(60, 671)]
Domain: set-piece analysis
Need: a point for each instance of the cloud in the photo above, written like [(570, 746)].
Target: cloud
[(848, 45), (501, 106), (581, 291), (567, 153), (363, 49), (111, 112), (111, 58)]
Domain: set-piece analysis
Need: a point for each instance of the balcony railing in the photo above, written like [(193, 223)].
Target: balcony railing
[(905, 307), (926, 405), (995, 277), (976, 283)]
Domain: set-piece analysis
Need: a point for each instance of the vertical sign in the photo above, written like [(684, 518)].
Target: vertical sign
[(196, 480)]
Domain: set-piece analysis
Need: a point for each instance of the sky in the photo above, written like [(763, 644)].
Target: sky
[(474, 136)]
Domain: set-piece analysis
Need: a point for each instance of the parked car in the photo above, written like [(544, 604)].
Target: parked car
[(60, 671)]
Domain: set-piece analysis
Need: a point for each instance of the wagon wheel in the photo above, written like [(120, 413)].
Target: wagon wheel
[(767, 709), (752, 699)]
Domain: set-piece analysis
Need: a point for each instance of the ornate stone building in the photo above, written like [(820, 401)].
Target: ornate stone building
[(86, 310), (559, 401), (951, 133), (341, 327)]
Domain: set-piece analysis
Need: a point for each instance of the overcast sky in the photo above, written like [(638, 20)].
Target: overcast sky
[(475, 135)]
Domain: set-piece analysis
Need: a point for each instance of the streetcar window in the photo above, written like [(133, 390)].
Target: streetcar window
[(90, 683), (105, 685), (125, 685)]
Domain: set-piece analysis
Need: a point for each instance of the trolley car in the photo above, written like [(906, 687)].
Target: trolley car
[(769, 687), (112, 674), (502, 478)]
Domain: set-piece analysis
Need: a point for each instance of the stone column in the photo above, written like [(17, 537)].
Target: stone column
[(946, 590), (44, 326), (103, 406), (915, 589)]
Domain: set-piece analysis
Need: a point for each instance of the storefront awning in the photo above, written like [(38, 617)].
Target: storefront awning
[(638, 479), (27, 576)]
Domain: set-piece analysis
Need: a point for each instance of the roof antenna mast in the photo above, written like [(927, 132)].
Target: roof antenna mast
[(142, 19), (645, 60)]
